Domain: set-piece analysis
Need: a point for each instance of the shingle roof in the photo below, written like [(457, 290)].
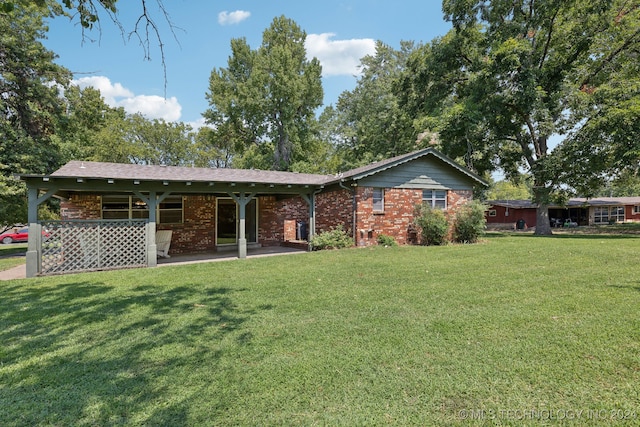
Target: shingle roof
[(79, 169), (120, 171), (574, 202)]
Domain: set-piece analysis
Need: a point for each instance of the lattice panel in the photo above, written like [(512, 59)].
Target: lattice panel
[(75, 246)]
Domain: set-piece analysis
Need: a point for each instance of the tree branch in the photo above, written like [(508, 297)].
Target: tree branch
[(548, 42), (610, 58), (532, 135)]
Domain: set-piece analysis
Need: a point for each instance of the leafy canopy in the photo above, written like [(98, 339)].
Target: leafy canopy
[(265, 99), (512, 74)]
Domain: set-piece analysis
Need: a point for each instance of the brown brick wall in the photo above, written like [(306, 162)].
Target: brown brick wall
[(274, 213), (334, 208), (197, 232), (396, 220), (278, 217), (81, 206)]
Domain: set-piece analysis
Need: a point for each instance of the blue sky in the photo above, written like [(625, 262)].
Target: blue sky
[(339, 33)]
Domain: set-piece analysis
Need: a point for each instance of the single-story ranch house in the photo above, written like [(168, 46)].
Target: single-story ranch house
[(112, 214), (577, 211)]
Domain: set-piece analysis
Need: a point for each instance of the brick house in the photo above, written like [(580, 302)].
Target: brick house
[(577, 211), (218, 209)]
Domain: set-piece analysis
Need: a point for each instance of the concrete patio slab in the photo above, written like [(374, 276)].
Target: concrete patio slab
[(20, 272)]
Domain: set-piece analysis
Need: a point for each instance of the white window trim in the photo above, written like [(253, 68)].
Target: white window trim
[(433, 200), (613, 213)]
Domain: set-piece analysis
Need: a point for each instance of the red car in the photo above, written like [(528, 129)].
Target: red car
[(19, 235)]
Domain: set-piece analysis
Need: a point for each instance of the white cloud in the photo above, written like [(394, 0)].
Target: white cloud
[(108, 90), (115, 95), (235, 17), (153, 107), (338, 57), (198, 123)]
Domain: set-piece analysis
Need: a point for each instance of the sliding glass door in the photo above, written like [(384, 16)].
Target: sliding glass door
[(227, 222)]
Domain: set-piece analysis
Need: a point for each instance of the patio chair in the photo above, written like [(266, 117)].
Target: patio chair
[(163, 241)]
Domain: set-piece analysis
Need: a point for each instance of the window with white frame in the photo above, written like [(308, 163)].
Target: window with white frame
[(493, 212), (169, 211), (437, 199), (378, 199), (601, 215), (607, 214), (616, 214), (636, 210)]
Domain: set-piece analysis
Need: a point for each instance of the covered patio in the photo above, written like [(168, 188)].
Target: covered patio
[(91, 238)]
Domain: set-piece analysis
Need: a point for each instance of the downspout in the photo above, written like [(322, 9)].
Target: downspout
[(354, 210), (312, 227)]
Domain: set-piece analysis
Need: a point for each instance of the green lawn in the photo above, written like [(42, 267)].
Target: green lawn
[(12, 255), (517, 330)]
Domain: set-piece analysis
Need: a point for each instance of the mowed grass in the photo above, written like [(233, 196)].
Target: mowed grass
[(12, 255), (516, 330)]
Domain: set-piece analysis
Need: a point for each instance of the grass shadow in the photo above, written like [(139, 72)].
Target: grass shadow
[(94, 353)]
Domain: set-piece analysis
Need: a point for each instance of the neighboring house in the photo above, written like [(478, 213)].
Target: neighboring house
[(107, 209), (577, 211)]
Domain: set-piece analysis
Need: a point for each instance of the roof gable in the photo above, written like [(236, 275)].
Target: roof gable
[(384, 165)]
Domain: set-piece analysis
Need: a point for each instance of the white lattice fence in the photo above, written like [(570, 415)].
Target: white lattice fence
[(75, 246)]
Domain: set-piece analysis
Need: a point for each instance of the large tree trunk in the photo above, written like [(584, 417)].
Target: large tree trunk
[(543, 227), (541, 195)]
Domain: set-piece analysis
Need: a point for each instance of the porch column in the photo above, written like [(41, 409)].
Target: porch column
[(34, 244), (242, 200), (152, 248), (311, 201), (152, 202)]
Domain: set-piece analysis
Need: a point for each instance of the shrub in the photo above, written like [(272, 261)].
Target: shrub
[(469, 223), (433, 224), (336, 238), (385, 240)]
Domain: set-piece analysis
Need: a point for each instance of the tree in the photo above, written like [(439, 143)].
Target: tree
[(30, 106), (267, 97), (509, 190), (86, 115), (625, 184), (213, 149), (135, 139), (511, 74), (368, 120)]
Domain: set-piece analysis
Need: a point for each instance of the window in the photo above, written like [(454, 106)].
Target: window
[(119, 207), (636, 210), (378, 199), (493, 212), (130, 207), (437, 199), (170, 210), (616, 214), (606, 214), (601, 215)]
